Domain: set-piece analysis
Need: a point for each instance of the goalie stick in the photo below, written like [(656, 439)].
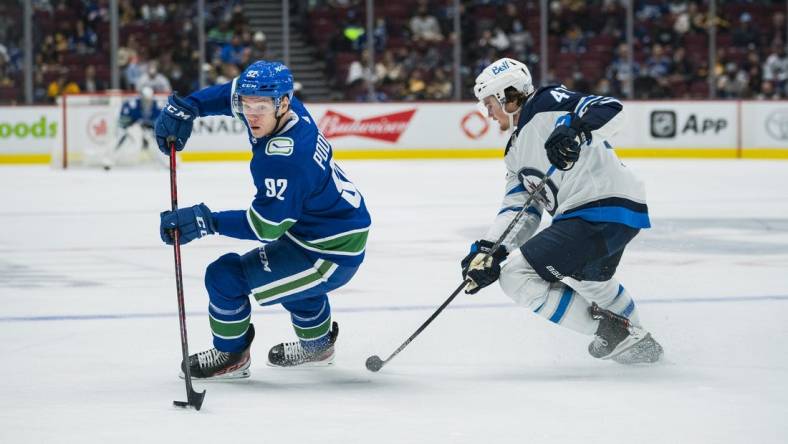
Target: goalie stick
[(374, 363)]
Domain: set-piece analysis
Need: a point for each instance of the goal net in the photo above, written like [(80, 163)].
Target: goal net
[(92, 136)]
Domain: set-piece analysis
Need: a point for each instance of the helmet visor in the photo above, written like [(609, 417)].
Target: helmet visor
[(253, 105)]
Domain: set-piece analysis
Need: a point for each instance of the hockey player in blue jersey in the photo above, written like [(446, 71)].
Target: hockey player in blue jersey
[(310, 218), (565, 273), (142, 111)]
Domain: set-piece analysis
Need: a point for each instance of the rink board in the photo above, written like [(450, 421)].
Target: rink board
[(678, 129)]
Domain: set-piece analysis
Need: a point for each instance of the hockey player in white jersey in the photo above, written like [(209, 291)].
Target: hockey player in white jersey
[(565, 273)]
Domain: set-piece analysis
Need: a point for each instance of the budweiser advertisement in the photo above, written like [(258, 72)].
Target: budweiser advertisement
[(407, 126)]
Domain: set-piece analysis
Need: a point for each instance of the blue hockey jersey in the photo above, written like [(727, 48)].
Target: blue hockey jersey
[(301, 191), (138, 110)]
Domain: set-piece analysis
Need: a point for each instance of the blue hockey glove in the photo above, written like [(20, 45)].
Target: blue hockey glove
[(176, 120), (193, 223), (564, 144), (482, 272)]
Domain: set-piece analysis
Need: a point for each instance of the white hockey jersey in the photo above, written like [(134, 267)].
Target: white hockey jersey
[(599, 188)]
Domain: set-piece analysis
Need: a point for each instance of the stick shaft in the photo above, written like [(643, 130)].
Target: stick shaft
[(500, 240), (179, 276)]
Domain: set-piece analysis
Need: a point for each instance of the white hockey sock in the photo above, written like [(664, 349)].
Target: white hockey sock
[(567, 308), (555, 302), (610, 295)]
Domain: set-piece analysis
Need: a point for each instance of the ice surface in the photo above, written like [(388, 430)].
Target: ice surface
[(90, 347)]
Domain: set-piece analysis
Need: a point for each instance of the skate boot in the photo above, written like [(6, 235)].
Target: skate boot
[(214, 364), (293, 354), (617, 339)]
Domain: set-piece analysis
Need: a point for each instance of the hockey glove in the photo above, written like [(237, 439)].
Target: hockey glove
[(563, 145), (175, 120), (482, 272), (192, 223)]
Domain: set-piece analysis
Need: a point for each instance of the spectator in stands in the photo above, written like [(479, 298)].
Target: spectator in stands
[(62, 85), (154, 79), (259, 46), (424, 26), (658, 64), (768, 92), (232, 52), (90, 84), (574, 41), (84, 40), (156, 13), (745, 33), (620, 71), (352, 32), (416, 86), (5, 68), (681, 69), (775, 69), (220, 34), (439, 88), (388, 70), (228, 73), (358, 71), (733, 82), (777, 30)]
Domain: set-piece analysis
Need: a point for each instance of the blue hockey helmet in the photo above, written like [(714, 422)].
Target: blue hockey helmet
[(263, 79)]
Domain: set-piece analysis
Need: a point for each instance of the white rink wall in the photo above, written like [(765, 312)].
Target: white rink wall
[(721, 129)]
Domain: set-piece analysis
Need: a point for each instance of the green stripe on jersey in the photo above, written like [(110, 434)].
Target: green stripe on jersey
[(265, 229), (352, 243)]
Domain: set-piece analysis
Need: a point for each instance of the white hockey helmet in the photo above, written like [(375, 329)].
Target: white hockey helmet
[(500, 75)]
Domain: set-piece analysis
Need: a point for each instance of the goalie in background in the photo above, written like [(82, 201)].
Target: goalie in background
[(135, 130)]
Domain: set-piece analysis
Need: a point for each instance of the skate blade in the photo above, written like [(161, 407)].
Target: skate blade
[(645, 351), (243, 374), (324, 363)]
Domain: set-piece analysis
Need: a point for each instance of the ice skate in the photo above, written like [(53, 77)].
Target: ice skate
[(292, 354), (620, 341), (215, 365)]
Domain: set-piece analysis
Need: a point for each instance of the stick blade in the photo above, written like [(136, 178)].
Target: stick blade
[(195, 400)]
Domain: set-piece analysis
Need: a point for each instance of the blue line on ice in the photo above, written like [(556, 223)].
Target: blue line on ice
[(90, 317)]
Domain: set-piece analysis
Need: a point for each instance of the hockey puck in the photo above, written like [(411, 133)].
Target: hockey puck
[(374, 363)]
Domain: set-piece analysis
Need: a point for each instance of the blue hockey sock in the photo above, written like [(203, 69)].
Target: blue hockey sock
[(311, 322)]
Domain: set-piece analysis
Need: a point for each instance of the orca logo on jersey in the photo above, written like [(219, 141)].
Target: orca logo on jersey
[(388, 127), (548, 197), (280, 146)]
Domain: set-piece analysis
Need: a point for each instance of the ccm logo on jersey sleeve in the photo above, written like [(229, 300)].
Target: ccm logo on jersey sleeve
[(280, 146)]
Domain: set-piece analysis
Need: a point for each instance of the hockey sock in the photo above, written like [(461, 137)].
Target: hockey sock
[(565, 307), (312, 326), (610, 295), (229, 327)]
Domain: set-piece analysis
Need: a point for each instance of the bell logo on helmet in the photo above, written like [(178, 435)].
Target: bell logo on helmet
[(501, 68)]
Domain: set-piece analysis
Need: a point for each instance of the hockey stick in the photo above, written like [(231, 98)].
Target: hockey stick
[(374, 363), (194, 399)]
